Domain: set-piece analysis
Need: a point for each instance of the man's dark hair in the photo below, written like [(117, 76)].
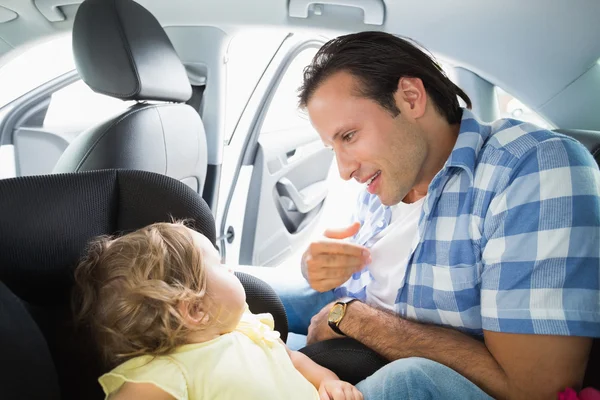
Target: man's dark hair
[(379, 60)]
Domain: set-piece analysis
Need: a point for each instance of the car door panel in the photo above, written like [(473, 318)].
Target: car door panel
[(46, 146), (287, 190), (278, 189)]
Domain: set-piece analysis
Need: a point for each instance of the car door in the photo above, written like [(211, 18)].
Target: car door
[(277, 189)]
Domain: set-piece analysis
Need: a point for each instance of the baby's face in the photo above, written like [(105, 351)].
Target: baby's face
[(224, 287)]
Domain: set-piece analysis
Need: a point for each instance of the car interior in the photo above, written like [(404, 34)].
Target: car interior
[(186, 137)]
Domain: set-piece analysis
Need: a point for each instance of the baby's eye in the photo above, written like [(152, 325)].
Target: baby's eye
[(348, 136)]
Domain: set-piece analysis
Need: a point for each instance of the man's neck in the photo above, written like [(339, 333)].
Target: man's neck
[(413, 196), (441, 139)]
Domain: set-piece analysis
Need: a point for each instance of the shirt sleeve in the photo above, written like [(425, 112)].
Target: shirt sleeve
[(159, 371), (541, 245)]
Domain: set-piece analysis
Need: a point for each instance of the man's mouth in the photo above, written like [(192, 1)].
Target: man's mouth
[(373, 178)]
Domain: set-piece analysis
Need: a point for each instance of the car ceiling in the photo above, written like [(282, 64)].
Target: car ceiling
[(538, 50)]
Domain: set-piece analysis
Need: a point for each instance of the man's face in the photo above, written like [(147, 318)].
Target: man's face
[(385, 153)]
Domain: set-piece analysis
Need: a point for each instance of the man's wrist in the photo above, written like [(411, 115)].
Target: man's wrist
[(351, 314)]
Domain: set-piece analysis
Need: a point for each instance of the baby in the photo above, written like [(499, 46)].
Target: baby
[(176, 323)]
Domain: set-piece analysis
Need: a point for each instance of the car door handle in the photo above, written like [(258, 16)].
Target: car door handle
[(302, 200)]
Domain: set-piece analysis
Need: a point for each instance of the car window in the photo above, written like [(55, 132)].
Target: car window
[(76, 107), (245, 64), (34, 67), (41, 139), (283, 112), (511, 107)]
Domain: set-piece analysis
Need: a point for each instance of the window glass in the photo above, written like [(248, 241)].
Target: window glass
[(246, 61), (76, 108), (283, 112), (34, 67)]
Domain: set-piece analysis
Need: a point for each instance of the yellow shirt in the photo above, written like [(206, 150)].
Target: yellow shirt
[(249, 363)]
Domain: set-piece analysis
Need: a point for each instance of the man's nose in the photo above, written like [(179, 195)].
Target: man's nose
[(346, 165)]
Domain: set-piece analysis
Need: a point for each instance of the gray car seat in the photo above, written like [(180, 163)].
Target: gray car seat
[(122, 51)]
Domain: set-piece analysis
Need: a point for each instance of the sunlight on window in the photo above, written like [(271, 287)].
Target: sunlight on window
[(76, 107), (283, 111), (34, 67), (7, 162), (248, 55)]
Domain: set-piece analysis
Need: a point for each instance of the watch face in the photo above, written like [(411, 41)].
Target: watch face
[(336, 313)]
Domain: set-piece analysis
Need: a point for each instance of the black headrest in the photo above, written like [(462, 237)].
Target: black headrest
[(46, 222), (122, 51)]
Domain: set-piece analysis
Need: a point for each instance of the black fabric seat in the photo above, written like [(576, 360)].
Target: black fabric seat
[(45, 224), (122, 51), (351, 360), (21, 340)]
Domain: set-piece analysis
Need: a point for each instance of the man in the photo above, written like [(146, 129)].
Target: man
[(496, 278)]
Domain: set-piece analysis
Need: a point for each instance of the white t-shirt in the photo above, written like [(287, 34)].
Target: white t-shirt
[(391, 253)]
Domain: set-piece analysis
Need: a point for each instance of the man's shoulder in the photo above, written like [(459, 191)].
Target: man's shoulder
[(512, 142)]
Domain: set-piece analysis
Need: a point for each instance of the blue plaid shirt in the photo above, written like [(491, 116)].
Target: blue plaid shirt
[(509, 236)]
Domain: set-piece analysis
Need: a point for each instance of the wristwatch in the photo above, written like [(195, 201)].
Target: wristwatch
[(337, 312)]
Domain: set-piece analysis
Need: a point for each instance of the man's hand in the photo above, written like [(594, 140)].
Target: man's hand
[(327, 264), (319, 328), (338, 390)]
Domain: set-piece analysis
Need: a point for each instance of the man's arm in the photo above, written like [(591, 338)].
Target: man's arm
[(512, 366)]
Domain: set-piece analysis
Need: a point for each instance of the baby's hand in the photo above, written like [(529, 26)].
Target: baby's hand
[(338, 390)]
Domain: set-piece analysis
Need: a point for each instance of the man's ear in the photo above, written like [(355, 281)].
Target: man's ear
[(411, 97), (193, 313)]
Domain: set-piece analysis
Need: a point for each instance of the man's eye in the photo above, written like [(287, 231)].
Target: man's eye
[(348, 136)]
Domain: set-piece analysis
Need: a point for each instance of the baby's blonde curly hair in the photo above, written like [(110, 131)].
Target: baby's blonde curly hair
[(128, 290)]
